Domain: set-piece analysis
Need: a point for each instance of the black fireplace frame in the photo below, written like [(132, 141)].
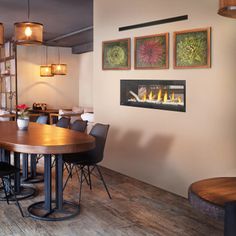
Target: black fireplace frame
[(134, 85)]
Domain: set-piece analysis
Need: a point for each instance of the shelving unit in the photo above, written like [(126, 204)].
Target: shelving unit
[(8, 77)]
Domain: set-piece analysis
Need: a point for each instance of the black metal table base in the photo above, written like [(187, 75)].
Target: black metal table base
[(25, 192), (38, 211), (39, 178), (33, 176)]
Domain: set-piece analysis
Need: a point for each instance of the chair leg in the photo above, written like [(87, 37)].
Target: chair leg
[(81, 182), (16, 200), (67, 167), (5, 191), (100, 173), (89, 175), (78, 169), (86, 179), (53, 162), (71, 170), (77, 172), (69, 175), (39, 156)]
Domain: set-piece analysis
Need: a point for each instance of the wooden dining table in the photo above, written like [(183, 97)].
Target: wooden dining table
[(47, 140)]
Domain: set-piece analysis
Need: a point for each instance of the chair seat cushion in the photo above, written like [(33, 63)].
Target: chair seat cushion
[(7, 169), (88, 116)]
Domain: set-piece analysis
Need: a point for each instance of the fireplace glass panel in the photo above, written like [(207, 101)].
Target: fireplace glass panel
[(157, 94)]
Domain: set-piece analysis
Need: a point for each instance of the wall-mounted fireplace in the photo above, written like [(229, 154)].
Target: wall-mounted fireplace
[(157, 94)]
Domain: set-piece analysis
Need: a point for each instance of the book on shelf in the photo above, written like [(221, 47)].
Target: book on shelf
[(3, 100), (7, 49), (12, 67), (2, 67), (8, 84)]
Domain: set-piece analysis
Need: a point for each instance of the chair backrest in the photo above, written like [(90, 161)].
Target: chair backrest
[(42, 120), (63, 122), (99, 131), (79, 125)]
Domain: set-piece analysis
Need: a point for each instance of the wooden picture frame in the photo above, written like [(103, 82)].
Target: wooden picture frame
[(116, 54), (192, 48), (151, 52)]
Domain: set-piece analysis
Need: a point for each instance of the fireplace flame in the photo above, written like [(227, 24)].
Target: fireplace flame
[(165, 97), (150, 96), (144, 98), (159, 95), (179, 99), (172, 97)]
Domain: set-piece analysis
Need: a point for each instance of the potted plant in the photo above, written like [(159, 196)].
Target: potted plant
[(23, 116)]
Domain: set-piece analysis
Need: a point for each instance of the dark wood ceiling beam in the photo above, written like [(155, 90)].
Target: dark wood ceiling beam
[(87, 47), (69, 35)]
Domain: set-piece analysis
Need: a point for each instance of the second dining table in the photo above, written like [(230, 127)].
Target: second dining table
[(47, 140)]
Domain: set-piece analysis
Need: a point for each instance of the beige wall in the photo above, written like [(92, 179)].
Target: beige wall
[(85, 66), (169, 149), (58, 91)]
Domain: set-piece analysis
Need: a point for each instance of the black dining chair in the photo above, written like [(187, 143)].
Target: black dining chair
[(63, 122), (42, 119), (79, 125), (6, 171), (87, 162)]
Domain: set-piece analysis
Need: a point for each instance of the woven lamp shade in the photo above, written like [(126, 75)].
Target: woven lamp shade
[(227, 8), (1, 34), (46, 71), (59, 69), (27, 33)]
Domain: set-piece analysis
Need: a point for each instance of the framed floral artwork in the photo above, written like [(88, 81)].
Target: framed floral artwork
[(151, 52), (116, 54), (192, 48)]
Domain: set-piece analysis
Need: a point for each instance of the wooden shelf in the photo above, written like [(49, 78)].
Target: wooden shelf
[(7, 75), (8, 85), (3, 59), (13, 116)]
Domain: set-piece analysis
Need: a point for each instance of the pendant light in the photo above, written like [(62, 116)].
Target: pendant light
[(227, 8), (59, 69), (46, 70), (1, 34), (27, 33)]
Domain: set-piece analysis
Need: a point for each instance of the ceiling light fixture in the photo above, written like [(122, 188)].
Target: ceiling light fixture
[(46, 70), (59, 69), (27, 33), (1, 34), (227, 8)]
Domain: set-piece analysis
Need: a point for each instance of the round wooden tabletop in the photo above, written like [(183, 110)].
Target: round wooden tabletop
[(43, 139), (217, 191), (210, 195)]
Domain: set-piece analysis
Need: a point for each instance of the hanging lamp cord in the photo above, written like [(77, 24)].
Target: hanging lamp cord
[(28, 10), (46, 55), (59, 56)]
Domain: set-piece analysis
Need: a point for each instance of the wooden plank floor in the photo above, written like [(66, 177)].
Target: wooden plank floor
[(136, 209)]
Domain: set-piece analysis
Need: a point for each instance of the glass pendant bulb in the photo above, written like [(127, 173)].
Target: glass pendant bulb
[(28, 31), (1, 34)]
